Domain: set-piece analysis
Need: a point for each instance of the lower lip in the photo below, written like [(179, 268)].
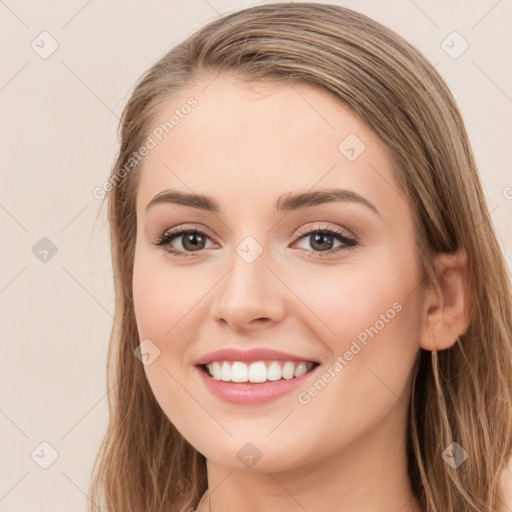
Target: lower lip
[(252, 393)]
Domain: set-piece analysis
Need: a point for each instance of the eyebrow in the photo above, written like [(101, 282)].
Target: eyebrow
[(285, 203)]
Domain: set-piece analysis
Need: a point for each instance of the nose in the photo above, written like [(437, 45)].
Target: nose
[(250, 296)]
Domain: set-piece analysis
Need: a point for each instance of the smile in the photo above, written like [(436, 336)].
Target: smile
[(259, 382)]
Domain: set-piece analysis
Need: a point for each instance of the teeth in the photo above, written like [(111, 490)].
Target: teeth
[(274, 371), (301, 369), (239, 372), (288, 370), (259, 371)]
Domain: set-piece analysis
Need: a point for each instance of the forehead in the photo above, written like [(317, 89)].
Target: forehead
[(251, 142)]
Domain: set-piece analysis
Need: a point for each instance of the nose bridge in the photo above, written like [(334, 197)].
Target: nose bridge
[(247, 282), (250, 290)]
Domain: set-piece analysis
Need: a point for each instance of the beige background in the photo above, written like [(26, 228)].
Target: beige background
[(58, 140)]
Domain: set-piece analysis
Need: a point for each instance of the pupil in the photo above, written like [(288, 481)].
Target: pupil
[(320, 239), (189, 239)]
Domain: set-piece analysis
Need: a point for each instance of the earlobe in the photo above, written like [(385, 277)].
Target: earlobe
[(446, 314)]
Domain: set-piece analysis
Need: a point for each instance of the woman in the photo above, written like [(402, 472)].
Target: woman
[(313, 309)]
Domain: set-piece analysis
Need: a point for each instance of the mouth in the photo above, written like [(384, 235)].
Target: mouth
[(257, 372), (257, 382), (255, 376)]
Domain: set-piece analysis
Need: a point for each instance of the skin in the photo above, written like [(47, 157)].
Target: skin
[(245, 145)]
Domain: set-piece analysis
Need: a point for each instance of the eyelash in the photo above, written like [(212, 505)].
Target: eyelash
[(169, 236)]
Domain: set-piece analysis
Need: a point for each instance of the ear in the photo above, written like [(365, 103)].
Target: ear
[(446, 313)]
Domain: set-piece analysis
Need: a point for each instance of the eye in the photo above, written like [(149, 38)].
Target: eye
[(322, 239), (194, 239)]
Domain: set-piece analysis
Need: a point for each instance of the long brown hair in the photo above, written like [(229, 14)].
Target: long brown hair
[(461, 394)]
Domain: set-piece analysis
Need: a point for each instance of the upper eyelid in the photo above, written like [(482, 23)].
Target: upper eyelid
[(326, 227), (178, 230)]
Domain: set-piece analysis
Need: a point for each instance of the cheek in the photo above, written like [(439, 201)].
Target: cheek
[(370, 320), (358, 300), (164, 301), (169, 310), (370, 324), (163, 298)]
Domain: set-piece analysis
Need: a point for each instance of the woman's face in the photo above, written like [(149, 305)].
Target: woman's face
[(260, 271)]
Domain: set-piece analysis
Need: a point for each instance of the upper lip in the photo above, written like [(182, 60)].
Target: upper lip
[(249, 356)]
